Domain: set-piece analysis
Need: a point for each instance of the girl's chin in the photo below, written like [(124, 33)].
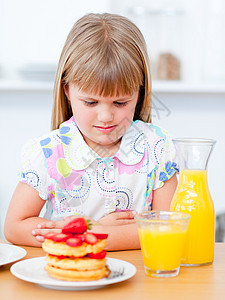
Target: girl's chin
[(107, 143), (102, 140)]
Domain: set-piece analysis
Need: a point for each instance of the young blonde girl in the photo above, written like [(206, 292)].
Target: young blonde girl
[(103, 158)]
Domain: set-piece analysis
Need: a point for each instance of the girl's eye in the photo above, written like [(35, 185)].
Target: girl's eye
[(120, 103), (90, 103)]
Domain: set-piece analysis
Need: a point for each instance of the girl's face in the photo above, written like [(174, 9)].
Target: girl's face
[(102, 120)]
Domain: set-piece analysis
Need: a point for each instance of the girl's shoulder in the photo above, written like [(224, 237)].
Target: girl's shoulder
[(151, 131), (35, 146), (43, 146), (50, 139)]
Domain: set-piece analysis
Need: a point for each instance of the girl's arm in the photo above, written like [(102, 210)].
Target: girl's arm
[(126, 236), (122, 237), (22, 216), (120, 226), (122, 230), (162, 197)]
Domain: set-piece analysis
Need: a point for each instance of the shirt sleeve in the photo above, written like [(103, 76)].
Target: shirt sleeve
[(168, 164), (33, 170)]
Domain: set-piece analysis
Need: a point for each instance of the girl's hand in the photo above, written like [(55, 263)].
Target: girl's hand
[(118, 218), (45, 227), (53, 226)]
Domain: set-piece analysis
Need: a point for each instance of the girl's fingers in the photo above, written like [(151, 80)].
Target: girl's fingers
[(126, 214), (125, 221), (42, 232), (40, 238), (49, 224)]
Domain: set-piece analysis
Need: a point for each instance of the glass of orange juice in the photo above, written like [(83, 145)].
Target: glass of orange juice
[(162, 237)]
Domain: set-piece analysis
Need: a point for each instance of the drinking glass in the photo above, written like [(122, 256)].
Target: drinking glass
[(162, 237)]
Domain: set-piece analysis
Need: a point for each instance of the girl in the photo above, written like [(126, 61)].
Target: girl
[(104, 159)]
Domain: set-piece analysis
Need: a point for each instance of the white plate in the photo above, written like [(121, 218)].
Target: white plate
[(32, 270), (10, 253)]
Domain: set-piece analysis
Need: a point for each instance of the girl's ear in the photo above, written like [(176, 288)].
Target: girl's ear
[(66, 90)]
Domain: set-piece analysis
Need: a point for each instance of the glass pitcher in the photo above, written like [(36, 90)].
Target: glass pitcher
[(193, 197)]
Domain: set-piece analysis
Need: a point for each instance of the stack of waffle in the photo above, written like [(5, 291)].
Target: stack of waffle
[(76, 254)]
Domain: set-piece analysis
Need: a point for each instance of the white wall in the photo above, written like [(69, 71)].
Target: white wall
[(35, 31), (199, 115), (196, 35), (23, 115)]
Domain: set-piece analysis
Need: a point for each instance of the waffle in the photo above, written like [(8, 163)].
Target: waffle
[(76, 275), (72, 263), (76, 254), (61, 248)]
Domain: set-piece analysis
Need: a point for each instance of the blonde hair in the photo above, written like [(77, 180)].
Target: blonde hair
[(104, 54)]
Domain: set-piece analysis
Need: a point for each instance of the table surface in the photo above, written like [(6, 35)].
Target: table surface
[(205, 282)]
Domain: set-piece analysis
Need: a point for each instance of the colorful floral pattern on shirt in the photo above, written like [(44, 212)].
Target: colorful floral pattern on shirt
[(74, 179)]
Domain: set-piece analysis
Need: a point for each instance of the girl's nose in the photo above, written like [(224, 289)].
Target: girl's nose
[(105, 116)]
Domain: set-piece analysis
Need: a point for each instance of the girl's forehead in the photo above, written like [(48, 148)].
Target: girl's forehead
[(116, 93)]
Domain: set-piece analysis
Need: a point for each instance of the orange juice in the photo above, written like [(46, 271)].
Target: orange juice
[(162, 246), (192, 196)]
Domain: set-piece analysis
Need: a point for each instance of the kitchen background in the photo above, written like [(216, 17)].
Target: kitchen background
[(186, 44)]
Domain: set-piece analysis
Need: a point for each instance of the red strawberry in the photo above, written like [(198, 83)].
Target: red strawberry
[(61, 237), (74, 242), (99, 255), (100, 236), (90, 238), (77, 225), (58, 256), (49, 235), (80, 236)]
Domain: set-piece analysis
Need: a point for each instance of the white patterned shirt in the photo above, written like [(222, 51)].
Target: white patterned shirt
[(75, 180)]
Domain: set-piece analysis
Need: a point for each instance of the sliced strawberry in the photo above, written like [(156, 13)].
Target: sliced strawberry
[(80, 236), (58, 256), (61, 237), (101, 236), (74, 242), (99, 255), (66, 256), (90, 238), (49, 235), (77, 225)]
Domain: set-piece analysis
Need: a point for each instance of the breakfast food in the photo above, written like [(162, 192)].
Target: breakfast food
[(76, 254)]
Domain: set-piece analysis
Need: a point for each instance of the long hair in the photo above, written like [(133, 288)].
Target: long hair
[(104, 54)]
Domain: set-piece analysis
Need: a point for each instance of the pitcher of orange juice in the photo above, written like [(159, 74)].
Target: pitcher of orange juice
[(193, 197)]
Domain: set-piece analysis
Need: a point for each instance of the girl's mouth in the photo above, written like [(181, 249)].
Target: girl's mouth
[(105, 129)]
